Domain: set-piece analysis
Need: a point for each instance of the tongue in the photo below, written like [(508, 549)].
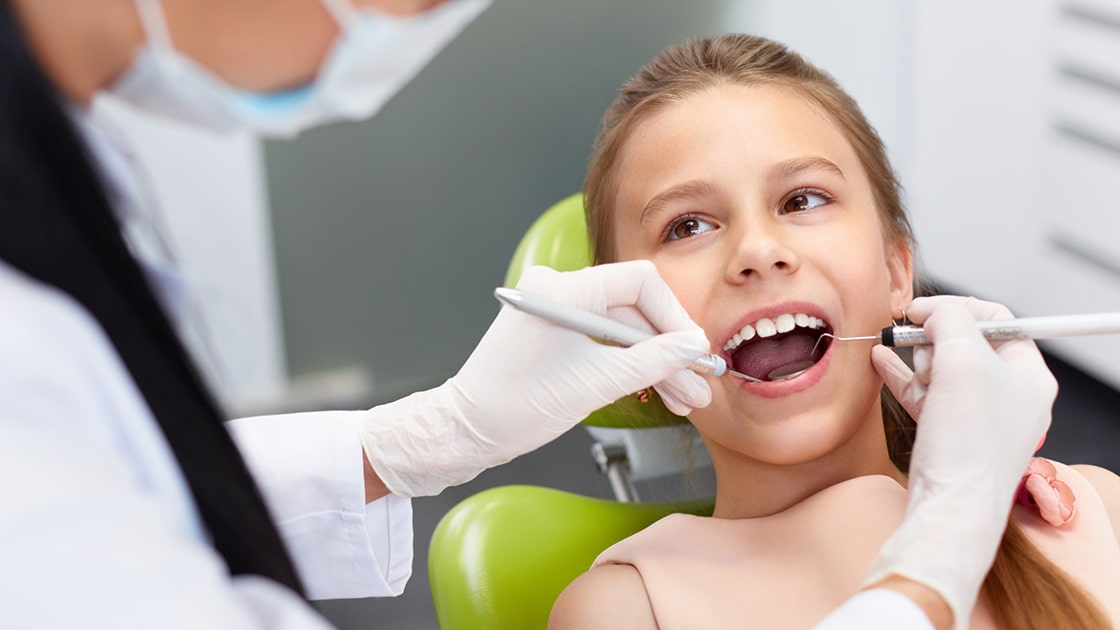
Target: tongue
[(775, 357)]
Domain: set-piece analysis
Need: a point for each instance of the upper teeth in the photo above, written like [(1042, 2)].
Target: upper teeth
[(767, 327)]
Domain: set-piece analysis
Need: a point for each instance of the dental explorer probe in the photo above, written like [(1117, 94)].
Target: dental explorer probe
[(601, 327), (1005, 329)]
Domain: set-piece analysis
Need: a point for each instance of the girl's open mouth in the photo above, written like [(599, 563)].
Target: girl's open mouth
[(778, 348)]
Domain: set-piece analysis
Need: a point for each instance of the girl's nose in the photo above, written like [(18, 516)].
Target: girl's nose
[(761, 250)]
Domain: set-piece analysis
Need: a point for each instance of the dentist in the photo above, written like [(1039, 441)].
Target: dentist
[(125, 500)]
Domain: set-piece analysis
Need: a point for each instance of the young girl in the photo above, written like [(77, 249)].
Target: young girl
[(765, 199)]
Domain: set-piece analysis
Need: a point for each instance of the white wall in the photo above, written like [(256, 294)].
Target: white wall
[(863, 44), (1008, 207)]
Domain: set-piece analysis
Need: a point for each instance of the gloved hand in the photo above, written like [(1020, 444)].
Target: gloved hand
[(981, 411), (529, 380)]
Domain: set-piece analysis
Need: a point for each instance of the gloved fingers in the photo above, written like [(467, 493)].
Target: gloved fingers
[(638, 283), (923, 360), (921, 308), (958, 349), (615, 290), (899, 379), (581, 289), (946, 318), (684, 391), (654, 360), (632, 317), (546, 282), (1024, 352)]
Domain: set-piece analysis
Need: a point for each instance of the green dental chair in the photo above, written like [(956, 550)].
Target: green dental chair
[(500, 558)]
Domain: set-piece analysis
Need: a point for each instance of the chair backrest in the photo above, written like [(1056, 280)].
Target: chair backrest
[(500, 558)]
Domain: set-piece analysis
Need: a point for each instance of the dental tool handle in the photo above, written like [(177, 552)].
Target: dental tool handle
[(1021, 328), (594, 325)]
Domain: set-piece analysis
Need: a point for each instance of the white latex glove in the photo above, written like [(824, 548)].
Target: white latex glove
[(981, 411), (529, 381)]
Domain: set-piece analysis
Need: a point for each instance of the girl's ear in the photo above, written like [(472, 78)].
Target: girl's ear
[(900, 266)]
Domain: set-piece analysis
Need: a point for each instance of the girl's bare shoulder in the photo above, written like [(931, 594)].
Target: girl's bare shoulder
[(606, 596), (1107, 485)]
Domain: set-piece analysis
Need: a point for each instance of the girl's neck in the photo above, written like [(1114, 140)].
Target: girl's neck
[(749, 488)]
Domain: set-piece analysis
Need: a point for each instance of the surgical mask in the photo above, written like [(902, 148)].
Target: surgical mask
[(374, 56)]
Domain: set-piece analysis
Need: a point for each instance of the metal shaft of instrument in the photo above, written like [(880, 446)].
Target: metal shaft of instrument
[(1005, 330)]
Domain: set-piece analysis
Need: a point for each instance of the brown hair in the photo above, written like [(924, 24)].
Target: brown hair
[(1024, 589)]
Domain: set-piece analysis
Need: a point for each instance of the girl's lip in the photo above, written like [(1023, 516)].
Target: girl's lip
[(799, 383)]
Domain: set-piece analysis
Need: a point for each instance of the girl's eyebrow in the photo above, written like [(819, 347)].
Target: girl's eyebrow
[(786, 169), (686, 190), (791, 168)]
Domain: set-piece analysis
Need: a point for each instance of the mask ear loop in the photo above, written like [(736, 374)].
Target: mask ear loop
[(154, 22)]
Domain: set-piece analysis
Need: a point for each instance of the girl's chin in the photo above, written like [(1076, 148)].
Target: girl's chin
[(794, 430), (795, 439)]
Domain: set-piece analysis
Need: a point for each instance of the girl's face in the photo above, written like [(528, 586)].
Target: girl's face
[(757, 212)]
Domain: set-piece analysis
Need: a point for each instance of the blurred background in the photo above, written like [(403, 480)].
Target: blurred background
[(355, 265)]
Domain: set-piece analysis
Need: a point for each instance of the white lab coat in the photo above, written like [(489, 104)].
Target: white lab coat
[(97, 524)]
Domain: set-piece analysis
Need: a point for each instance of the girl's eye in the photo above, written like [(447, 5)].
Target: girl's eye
[(686, 227), (805, 200)]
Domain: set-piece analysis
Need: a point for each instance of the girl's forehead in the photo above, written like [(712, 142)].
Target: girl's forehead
[(731, 126), (746, 112)]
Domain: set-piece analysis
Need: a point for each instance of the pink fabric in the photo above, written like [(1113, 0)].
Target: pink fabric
[(1041, 489)]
